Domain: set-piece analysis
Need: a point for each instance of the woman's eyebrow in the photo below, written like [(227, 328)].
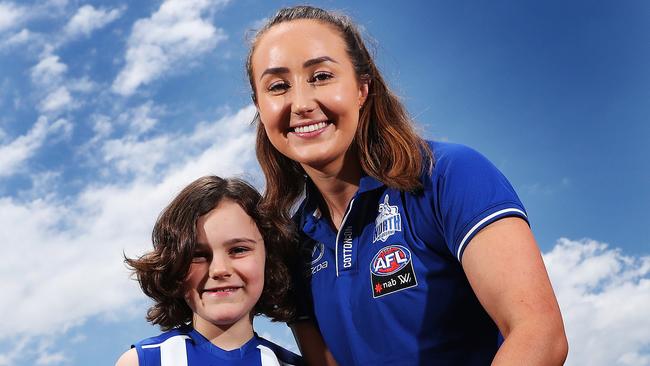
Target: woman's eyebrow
[(308, 63), (318, 60), (275, 71)]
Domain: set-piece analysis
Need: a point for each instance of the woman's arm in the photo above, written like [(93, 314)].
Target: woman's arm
[(505, 269), (311, 344), (128, 358)]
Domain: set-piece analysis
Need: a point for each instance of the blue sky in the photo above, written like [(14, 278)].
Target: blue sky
[(110, 107)]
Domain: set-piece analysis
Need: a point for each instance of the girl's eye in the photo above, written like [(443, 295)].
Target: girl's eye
[(320, 77), (237, 251), (278, 87)]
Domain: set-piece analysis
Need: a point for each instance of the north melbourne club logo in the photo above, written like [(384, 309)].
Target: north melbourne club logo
[(387, 222), (391, 270)]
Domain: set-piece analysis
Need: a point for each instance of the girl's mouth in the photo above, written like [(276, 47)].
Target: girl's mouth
[(221, 291)]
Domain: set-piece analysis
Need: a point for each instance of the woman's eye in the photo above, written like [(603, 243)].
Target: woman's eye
[(278, 87), (320, 77)]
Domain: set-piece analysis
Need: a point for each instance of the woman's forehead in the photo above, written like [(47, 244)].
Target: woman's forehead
[(296, 41)]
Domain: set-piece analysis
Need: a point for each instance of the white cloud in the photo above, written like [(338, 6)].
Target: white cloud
[(48, 71), (133, 154), (53, 88), (11, 15), (142, 118), (175, 34), (56, 100), (82, 85), (88, 19), (14, 154), (604, 296), (15, 352), (47, 358), (102, 127), (18, 38)]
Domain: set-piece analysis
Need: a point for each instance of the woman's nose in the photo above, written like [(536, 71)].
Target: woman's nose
[(303, 99)]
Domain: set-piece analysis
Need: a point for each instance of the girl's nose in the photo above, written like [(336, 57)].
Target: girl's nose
[(219, 267)]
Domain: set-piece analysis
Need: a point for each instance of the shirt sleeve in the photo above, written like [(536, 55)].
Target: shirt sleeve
[(471, 193)]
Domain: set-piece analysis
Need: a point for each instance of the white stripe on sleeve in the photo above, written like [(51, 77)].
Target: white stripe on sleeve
[(480, 223)]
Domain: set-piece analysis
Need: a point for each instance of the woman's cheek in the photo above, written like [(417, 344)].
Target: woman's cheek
[(271, 112)]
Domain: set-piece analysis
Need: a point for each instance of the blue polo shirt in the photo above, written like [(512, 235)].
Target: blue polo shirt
[(186, 347), (388, 287)]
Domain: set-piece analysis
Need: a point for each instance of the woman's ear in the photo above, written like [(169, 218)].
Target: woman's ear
[(364, 86)]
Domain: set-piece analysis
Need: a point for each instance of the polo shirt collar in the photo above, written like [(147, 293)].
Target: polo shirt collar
[(310, 210)]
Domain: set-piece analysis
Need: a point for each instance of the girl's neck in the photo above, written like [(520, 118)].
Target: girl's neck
[(226, 337), (337, 185)]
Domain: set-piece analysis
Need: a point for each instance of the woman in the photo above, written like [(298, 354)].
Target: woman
[(420, 252)]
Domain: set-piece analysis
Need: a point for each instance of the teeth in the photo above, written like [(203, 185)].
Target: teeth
[(310, 128), (229, 289)]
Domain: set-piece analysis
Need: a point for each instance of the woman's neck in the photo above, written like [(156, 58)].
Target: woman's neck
[(337, 186), (226, 337)]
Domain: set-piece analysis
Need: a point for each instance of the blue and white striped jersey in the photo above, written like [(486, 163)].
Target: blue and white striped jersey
[(187, 347)]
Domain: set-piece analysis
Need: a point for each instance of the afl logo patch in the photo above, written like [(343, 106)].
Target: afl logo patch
[(390, 260), (391, 270)]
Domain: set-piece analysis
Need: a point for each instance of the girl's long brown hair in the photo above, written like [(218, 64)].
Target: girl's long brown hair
[(162, 272), (389, 149)]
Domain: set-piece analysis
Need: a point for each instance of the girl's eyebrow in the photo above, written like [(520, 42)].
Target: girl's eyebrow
[(308, 63), (240, 240)]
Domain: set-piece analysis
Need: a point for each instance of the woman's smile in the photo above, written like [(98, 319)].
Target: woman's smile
[(309, 129)]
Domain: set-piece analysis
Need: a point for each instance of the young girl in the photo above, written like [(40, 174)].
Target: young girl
[(215, 264), (421, 253)]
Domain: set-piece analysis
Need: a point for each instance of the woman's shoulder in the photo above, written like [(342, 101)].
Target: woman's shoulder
[(449, 152), (452, 158)]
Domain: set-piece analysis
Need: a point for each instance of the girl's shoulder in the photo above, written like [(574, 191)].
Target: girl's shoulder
[(282, 354), (181, 333)]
